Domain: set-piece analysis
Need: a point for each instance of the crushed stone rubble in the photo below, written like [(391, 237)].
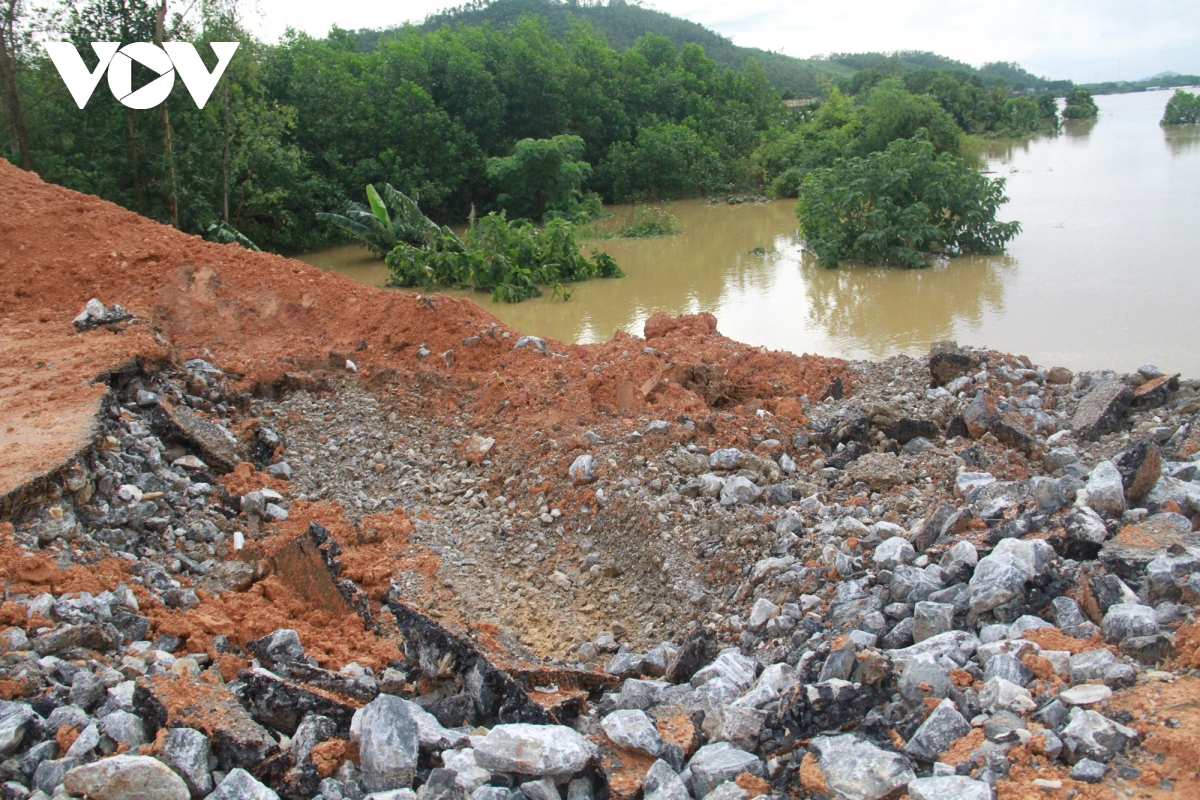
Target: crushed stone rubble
[(953, 580)]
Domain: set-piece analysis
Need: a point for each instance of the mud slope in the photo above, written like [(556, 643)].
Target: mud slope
[(272, 320)]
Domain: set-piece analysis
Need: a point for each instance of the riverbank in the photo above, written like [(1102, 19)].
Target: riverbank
[(271, 496)]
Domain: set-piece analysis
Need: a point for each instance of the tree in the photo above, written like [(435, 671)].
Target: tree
[(1080, 105), (900, 205), (12, 39), (891, 112), (1182, 109), (541, 177)]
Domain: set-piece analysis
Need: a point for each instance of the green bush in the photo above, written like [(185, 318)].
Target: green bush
[(645, 223), (1080, 105), (542, 178), (1182, 109), (900, 205), (391, 219), (512, 260), (666, 161)]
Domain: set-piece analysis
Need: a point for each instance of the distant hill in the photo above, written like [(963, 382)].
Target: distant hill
[(912, 60), (622, 23)]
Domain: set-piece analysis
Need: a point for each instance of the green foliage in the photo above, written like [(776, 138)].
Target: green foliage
[(1080, 105), (391, 219), (899, 205), (891, 112), (1162, 81), (1182, 109), (542, 177), (623, 23), (666, 161), (646, 222), (224, 233), (512, 260)]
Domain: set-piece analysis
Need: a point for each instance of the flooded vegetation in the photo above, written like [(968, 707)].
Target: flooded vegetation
[(1101, 274)]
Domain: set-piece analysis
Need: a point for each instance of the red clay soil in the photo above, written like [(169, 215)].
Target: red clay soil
[(266, 318)]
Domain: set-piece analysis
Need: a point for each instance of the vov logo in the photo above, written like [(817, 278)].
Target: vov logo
[(172, 57)]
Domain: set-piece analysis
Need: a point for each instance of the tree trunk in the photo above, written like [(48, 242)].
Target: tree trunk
[(225, 154), (8, 84), (173, 200), (133, 155)]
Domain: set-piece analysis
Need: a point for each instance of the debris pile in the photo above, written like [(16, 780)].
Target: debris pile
[(670, 568)]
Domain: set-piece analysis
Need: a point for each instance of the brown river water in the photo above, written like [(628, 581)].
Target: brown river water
[(1105, 273)]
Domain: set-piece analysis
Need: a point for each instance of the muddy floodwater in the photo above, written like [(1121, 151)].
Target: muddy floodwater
[(1105, 273)]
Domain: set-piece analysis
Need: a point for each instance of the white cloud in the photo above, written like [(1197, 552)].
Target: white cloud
[(1083, 40)]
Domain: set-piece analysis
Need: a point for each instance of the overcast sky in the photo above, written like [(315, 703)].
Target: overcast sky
[(1084, 40)]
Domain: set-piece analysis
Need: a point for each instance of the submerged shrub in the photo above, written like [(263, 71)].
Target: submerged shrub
[(900, 205), (512, 260)]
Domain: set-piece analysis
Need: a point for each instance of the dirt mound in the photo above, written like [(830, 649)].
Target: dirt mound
[(274, 321)]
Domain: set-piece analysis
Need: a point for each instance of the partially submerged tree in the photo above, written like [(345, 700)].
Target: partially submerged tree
[(391, 219), (1182, 109), (541, 177), (900, 206)]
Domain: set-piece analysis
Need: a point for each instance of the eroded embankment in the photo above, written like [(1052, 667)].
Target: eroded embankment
[(289, 496)]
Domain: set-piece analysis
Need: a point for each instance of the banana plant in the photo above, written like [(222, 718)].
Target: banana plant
[(391, 218)]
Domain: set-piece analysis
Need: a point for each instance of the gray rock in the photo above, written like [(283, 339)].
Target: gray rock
[(1099, 664), (186, 751), (921, 679), (857, 769), (1089, 771), (542, 789), (949, 787), (126, 778), (733, 667), (762, 611), (893, 552), (1105, 490), (125, 728), (1050, 494), (640, 694), (85, 743), (277, 649), (50, 773), (727, 791), (1103, 409), (1085, 525), (633, 729), (580, 789), (1001, 575), (739, 490), (738, 725), (1092, 735), (714, 764), (1067, 613), (726, 459), (1007, 666), (1124, 620), (482, 793), (661, 783), (389, 744), (241, 785), (430, 733), (583, 469), (930, 619), (554, 750), (912, 585), (87, 691), (943, 726), (468, 774), (14, 722), (1000, 694), (959, 561)]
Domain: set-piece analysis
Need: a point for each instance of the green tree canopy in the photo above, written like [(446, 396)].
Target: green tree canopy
[(1182, 109), (541, 177), (900, 205)]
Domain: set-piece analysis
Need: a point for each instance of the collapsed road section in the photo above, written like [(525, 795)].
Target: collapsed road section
[(256, 547)]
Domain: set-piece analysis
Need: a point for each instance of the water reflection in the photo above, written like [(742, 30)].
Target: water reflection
[(1181, 138), (879, 311), (1079, 128)]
